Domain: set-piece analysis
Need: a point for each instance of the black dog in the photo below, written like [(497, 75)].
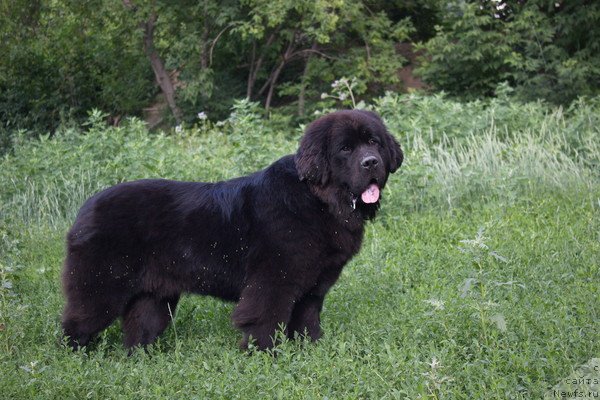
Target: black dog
[(274, 242)]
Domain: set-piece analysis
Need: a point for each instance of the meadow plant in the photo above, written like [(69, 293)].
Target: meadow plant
[(440, 308)]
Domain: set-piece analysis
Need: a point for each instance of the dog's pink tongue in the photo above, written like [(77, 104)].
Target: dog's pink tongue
[(371, 195)]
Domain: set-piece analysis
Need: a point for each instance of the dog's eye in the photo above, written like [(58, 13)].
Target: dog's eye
[(346, 149), (372, 141)]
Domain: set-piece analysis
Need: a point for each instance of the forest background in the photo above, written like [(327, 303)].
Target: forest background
[(169, 61)]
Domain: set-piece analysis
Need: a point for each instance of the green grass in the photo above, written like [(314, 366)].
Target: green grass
[(479, 279)]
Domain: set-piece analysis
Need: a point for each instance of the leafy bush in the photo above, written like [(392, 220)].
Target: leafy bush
[(545, 50), (62, 59), (456, 153)]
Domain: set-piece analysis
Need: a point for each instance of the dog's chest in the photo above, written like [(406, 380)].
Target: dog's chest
[(343, 243)]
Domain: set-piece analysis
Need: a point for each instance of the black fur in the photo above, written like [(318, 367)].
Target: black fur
[(274, 242)]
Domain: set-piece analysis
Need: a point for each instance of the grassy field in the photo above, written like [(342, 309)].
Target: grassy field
[(479, 279)]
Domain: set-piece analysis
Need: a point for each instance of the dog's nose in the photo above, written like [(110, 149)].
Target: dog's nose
[(369, 162)]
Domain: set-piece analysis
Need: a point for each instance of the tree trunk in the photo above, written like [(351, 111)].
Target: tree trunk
[(255, 66), (274, 78), (275, 74), (302, 95), (204, 44), (251, 75), (160, 72)]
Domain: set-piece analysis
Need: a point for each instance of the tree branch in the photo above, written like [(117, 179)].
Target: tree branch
[(275, 74), (214, 42), (160, 72), (302, 94), (254, 68), (311, 50)]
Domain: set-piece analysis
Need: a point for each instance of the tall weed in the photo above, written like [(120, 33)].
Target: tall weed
[(457, 154)]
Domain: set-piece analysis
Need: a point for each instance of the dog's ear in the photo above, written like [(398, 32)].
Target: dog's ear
[(312, 161), (395, 154)]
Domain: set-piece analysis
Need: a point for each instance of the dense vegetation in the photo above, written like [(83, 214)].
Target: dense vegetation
[(542, 49), (479, 279), (61, 58)]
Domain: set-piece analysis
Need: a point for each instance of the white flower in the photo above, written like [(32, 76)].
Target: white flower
[(178, 128), (324, 95), (437, 304), (202, 115), (343, 96), (435, 364)]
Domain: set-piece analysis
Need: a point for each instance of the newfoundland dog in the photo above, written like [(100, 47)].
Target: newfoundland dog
[(274, 241)]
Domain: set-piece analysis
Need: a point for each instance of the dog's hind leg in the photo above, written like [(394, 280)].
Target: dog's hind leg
[(146, 317)]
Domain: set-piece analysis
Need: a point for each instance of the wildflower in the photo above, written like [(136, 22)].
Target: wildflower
[(435, 303), (178, 128), (202, 116)]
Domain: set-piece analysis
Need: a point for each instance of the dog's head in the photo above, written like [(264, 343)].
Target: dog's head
[(349, 155)]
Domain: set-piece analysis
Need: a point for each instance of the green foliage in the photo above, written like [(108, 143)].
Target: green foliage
[(479, 277), (452, 143), (470, 57), (559, 58), (62, 58), (544, 50)]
